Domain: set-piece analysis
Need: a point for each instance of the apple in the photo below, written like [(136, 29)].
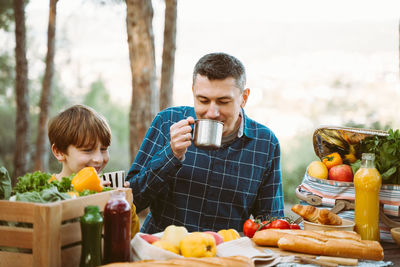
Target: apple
[(342, 173), (174, 234), (218, 238), (149, 238)]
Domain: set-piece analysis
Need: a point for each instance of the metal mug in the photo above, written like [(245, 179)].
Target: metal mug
[(207, 134)]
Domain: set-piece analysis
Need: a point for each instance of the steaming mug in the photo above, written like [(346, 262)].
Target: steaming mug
[(207, 134)]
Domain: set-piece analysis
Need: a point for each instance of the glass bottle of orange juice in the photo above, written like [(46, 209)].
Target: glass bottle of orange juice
[(367, 183)]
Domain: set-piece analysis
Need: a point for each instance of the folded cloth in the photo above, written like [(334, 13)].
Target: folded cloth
[(244, 246), (142, 250)]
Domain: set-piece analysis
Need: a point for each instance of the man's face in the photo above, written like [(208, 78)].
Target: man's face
[(219, 100)]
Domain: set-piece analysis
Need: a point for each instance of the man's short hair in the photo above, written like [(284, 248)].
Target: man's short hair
[(219, 66), (80, 126)]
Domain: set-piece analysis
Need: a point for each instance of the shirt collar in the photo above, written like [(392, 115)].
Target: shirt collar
[(249, 126), (241, 127)]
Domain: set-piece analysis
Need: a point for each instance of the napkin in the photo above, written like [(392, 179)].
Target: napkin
[(244, 247), (142, 250)]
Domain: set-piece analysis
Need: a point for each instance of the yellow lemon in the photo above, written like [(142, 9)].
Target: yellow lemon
[(317, 169)]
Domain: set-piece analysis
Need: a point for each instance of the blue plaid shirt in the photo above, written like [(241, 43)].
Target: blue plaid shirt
[(208, 190)]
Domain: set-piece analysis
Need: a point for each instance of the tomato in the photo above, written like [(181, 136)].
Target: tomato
[(279, 224), (249, 228), (266, 225), (294, 226)]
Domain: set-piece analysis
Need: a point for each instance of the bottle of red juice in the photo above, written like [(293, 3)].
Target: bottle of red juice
[(117, 228)]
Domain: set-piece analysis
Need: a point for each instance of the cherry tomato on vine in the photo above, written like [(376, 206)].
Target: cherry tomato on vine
[(294, 226), (279, 224), (250, 227), (266, 225)]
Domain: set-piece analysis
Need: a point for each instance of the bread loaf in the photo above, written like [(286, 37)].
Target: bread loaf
[(270, 237), (315, 215), (347, 248), (233, 261)]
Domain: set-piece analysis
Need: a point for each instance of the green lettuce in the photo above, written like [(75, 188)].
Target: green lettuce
[(5, 184)]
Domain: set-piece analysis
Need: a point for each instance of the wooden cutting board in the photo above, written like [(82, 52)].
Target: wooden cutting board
[(280, 252)]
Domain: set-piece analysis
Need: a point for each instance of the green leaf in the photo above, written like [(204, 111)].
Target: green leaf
[(355, 165), (5, 184), (64, 185), (386, 175), (30, 182)]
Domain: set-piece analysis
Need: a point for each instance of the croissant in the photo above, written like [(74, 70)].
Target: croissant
[(315, 215), (328, 217)]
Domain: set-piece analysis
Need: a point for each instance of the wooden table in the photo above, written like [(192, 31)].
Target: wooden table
[(392, 252)]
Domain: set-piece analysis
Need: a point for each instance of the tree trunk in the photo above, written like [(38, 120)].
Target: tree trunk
[(21, 154), (142, 60), (46, 90), (168, 57)]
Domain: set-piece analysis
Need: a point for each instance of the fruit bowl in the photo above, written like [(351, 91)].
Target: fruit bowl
[(346, 225), (396, 234)]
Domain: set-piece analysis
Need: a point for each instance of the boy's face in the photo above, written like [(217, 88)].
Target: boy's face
[(77, 158)]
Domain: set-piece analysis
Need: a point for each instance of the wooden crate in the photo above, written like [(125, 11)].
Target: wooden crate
[(54, 240)]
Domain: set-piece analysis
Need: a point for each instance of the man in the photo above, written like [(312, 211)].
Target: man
[(208, 189)]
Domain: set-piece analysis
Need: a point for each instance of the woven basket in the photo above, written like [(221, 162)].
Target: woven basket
[(330, 194)]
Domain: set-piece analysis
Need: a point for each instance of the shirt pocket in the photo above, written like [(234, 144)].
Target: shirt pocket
[(240, 183)]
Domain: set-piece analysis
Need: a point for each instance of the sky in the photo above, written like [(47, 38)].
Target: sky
[(293, 50)]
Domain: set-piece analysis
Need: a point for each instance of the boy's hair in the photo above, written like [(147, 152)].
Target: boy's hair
[(80, 126), (219, 66)]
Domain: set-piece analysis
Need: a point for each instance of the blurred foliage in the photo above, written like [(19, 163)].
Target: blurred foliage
[(7, 134), (6, 14), (295, 159), (117, 117), (6, 73)]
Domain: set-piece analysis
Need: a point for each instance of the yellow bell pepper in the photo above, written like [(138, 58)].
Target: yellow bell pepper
[(229, 234), (135, 224), (332, 160), (87, 178), (52, 178)]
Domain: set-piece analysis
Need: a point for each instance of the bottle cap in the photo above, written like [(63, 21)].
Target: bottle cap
[(92, 209), (368, 156), (118, 194)]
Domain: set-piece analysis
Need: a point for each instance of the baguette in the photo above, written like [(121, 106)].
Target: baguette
[(347, 248), (233, 261), (270, 237), (315, 215)]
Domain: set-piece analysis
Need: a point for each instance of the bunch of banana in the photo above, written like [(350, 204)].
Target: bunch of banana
[(345, 142)]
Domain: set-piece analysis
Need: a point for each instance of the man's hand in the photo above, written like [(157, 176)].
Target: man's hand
[(181, 137)]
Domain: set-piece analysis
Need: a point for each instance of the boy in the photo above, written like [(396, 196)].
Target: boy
[(80, 137)]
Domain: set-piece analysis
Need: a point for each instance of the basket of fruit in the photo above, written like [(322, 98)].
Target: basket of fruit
[(177, 242), (329, 180)]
